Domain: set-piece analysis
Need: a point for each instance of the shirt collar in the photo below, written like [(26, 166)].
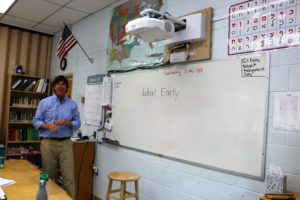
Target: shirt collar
[(58, 99)]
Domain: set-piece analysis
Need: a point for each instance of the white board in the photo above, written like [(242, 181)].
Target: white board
[(209, 113)]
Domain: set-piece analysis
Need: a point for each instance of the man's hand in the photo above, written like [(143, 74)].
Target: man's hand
[(51, 127), (63, 122), (60, 122)]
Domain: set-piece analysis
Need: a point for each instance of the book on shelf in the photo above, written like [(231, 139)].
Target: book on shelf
[(13, 151), (19, 84), (36, 85), (23, 134), (39, 89), (25, 85), (16, 83), (42, 85), (23, 82), (45, 85), (30, 86), (21, 117), (24, 101)]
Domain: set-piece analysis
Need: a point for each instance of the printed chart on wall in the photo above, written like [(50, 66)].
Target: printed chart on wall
[(287, 111), (263, 25), (212, 114), (93, 100), (126, 51)]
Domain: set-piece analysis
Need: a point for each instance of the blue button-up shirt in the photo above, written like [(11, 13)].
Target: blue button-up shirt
[(51, 109)]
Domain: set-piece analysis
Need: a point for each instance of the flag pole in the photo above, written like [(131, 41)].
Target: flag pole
[(90, 59)]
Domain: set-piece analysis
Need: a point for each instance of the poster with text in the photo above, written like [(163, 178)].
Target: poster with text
[(259, 25)]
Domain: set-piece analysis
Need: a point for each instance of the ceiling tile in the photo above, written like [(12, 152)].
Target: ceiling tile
[(47, 29), (35, 10), (48, 15), (66, 15), (18, 22), (60, 2), (89, 6)]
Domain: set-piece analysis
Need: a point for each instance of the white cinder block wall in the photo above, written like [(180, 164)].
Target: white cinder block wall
[(164, 179)]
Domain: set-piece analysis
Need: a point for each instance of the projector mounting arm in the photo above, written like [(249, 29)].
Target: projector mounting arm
[(151, 13)]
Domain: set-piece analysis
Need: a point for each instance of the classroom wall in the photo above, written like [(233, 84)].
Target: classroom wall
[(164, 179)]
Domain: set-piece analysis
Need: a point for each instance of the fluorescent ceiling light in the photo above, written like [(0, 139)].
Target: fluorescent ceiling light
[(5, 4)]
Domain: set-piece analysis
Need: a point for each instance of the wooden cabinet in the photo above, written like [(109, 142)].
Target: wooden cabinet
[(22, 140), (84, 153)]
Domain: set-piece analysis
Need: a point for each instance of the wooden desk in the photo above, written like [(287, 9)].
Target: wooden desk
[(297, 197), (27, 176)]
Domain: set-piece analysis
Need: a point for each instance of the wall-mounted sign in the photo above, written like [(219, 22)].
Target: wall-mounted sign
[(263, 25)]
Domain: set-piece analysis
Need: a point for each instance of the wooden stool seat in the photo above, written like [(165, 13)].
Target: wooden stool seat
[(122, 177)]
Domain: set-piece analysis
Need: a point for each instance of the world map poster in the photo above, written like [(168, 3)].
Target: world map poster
[(128, 51)]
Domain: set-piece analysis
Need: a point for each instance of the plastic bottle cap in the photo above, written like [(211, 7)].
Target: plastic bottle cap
[(44, 176)]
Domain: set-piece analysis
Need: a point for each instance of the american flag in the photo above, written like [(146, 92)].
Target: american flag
[(66, 42)]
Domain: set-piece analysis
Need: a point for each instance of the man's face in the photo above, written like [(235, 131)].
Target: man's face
[(60, 89)]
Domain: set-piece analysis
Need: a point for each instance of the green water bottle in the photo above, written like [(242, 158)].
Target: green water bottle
[(42, 191)]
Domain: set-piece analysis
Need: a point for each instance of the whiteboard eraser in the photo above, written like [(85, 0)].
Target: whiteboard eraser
[(108, 126)]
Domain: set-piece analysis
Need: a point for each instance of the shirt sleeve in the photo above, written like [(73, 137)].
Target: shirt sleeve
[(39, 118), (75, 118)]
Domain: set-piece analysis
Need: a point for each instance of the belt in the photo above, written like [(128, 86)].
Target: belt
[(55, 138)]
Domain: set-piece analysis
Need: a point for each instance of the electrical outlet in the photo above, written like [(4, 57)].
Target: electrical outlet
[(95, 169)]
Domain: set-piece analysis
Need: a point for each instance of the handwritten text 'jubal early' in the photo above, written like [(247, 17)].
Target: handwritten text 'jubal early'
[(163, 92)]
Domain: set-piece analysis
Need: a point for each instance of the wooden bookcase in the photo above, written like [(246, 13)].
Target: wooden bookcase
[(22, 140)]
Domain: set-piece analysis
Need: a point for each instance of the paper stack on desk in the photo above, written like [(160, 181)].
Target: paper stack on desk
[(2, 195), (5, 182)]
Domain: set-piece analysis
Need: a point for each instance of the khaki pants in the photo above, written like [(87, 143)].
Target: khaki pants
[(59, 153)]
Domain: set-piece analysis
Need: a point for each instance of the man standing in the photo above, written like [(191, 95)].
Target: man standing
[(56, 118)]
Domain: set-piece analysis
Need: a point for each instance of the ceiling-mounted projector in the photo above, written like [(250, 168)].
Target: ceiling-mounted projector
[(151, 29), (153, 26)]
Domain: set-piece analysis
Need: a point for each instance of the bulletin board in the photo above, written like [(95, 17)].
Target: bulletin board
[(211, 114)]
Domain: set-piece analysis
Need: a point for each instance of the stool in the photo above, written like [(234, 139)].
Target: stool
[(123, 177)]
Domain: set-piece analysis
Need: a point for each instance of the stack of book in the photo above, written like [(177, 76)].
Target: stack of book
[(22, 150), (24, 101), (23, 134), (23, 117), (30, 85)]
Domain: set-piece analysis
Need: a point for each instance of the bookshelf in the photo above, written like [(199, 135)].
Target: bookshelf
[(22, 140)]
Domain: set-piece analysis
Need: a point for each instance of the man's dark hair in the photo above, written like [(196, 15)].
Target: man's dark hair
[(58, 79)]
